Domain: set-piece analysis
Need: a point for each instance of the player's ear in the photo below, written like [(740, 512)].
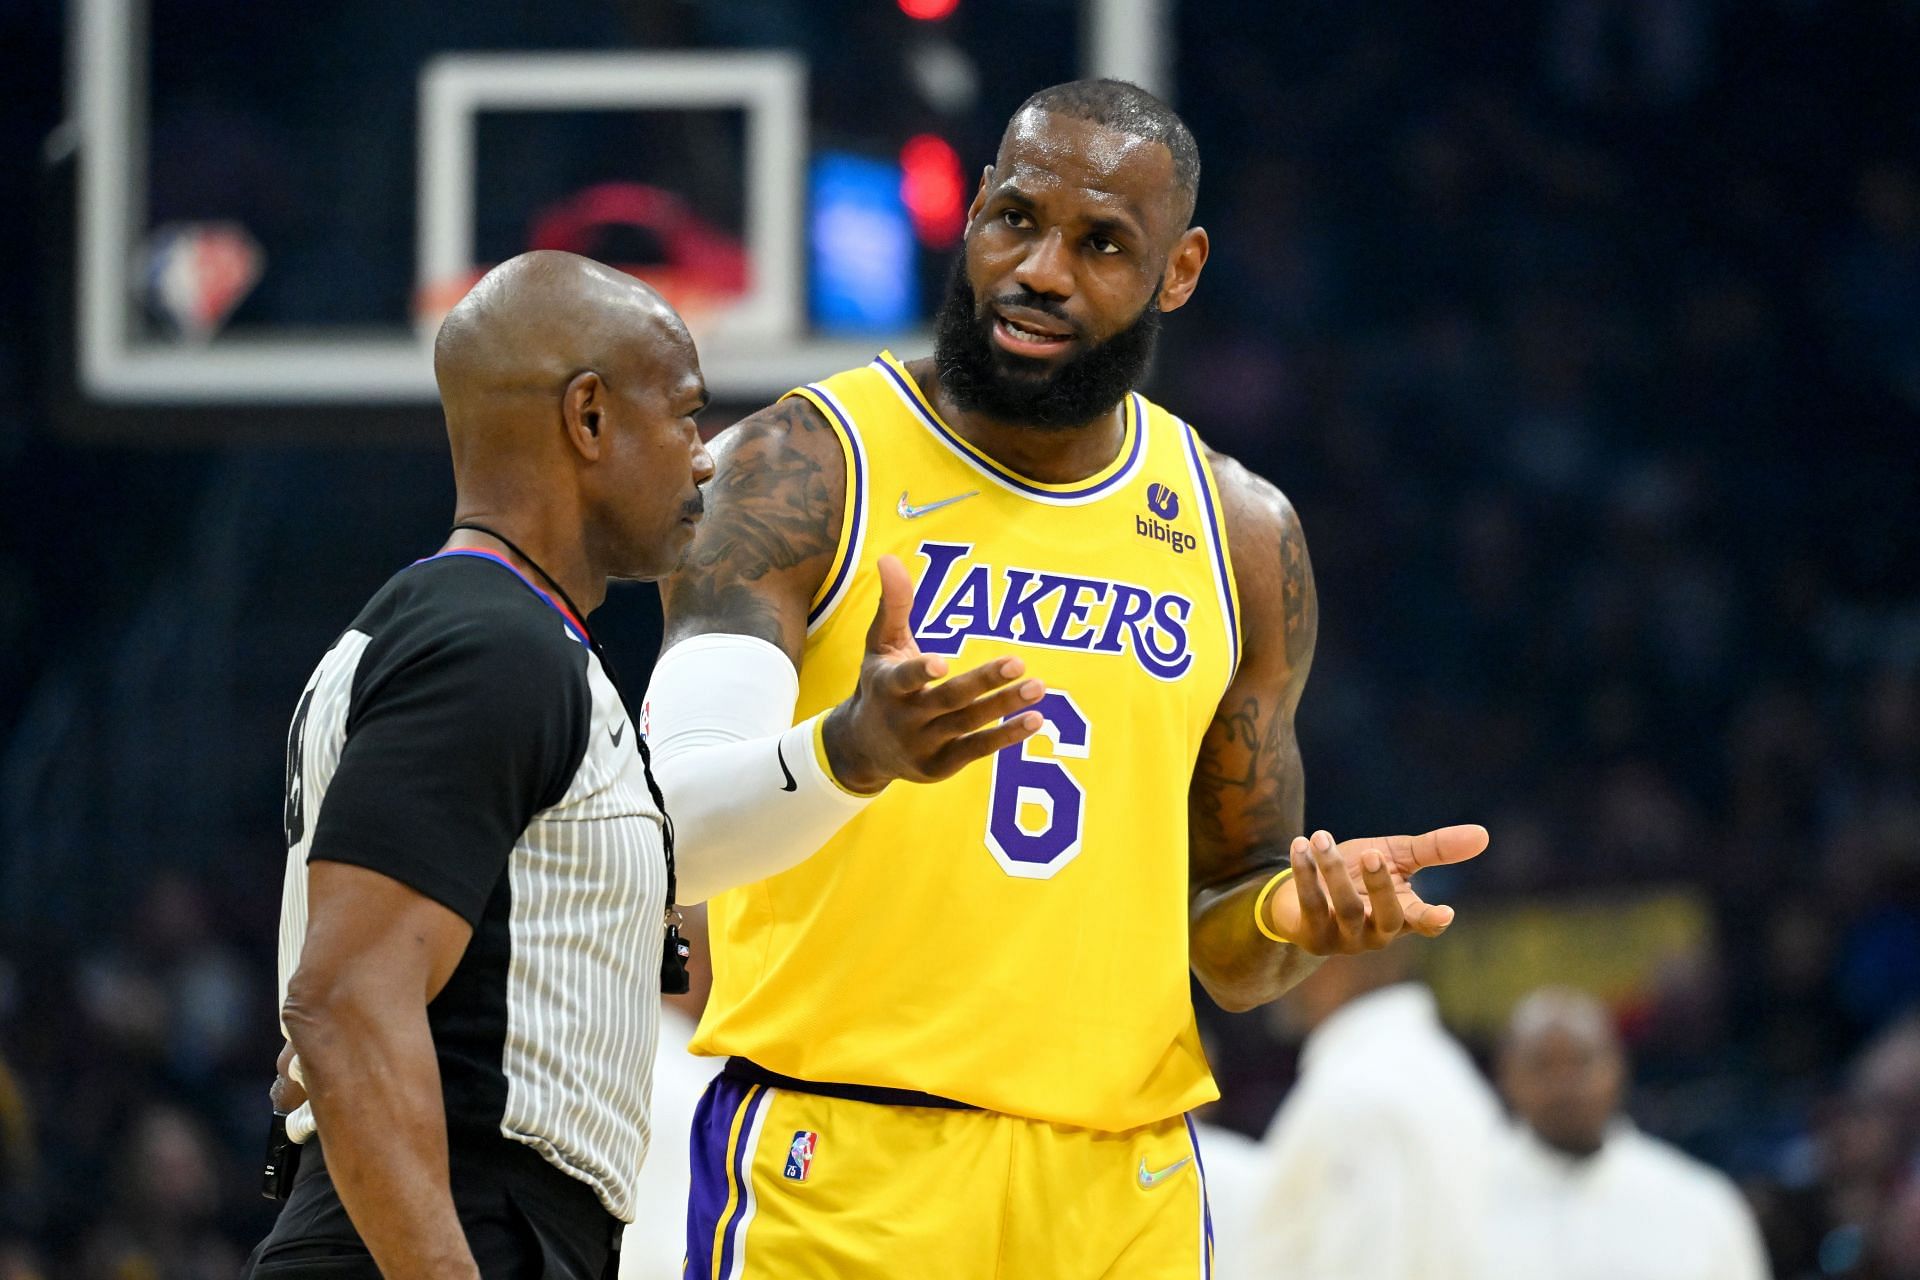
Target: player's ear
[(583, 413), (1178, 281)]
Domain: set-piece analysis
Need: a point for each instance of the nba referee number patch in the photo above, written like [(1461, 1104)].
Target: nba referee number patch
[(800, 1154)]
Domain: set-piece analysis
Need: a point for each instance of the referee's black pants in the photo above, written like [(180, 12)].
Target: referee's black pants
[(523, 1218)]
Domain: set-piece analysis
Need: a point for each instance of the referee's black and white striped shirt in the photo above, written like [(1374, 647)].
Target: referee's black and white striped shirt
[(461, 738)]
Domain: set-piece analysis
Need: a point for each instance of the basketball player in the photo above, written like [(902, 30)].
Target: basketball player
[(960, 1039)]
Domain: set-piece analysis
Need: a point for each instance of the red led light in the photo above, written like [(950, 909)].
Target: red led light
[(933, 189), (928, 10)]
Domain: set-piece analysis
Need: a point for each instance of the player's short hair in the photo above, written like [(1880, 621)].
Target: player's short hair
[(1122, 105)]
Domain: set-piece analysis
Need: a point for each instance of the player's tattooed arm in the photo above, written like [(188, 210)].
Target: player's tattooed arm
[(1248, 797), (1247, 801), (773, 518)]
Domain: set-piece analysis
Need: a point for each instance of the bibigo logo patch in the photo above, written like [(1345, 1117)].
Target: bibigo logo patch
[(1164, 504)]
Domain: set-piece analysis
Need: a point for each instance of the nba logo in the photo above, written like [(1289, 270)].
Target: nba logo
[(1163, 502), (800, 1154), (198, 272)]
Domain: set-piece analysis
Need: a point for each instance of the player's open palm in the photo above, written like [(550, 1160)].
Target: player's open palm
[(906, 720), (1358, 895)]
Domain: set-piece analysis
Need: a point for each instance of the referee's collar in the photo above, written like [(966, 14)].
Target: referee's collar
[(574, 624)]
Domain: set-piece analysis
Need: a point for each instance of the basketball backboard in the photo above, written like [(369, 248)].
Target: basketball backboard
[(288, 230)]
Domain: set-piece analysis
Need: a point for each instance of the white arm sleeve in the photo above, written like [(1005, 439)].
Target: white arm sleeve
[(748, 789)]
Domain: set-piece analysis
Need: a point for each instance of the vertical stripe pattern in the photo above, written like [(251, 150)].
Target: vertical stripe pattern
[(733, 1256), (587, 888), (589, 893), (710, 1159), (720, 1204)]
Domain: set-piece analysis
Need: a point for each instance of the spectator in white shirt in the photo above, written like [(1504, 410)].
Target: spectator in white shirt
[(1578, 1193), (1376, 1161)]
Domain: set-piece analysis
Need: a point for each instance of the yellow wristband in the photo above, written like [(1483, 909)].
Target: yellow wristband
[(1260, 907)]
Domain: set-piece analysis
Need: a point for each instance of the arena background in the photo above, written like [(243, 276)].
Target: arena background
[(1584, 334)]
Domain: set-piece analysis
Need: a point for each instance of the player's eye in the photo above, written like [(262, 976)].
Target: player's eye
[(1017, 219), (1100, 244)]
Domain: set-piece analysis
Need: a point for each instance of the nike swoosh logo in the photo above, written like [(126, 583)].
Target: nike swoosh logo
[(619, 733), (791, 785), (1154, 1177), (910, 512)]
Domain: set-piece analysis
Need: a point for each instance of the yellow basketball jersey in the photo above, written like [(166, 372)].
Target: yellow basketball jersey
[(1016, 936)]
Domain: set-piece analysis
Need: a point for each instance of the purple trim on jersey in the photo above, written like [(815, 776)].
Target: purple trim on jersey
[(742, 1171), (1120, 476), (1206, 1201), (573, 624), (1219, 533), (707, 1156), (712, 1177), (858, 489)]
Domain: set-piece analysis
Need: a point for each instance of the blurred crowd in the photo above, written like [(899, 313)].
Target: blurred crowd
[(1585, 335)]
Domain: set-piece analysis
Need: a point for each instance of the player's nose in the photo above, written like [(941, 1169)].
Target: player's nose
[(702, 462), (1046, 267)]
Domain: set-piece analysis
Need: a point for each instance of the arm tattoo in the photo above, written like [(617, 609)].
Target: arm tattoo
[(773, 511), (1248, 778), (1302, 609), (1248, 798)]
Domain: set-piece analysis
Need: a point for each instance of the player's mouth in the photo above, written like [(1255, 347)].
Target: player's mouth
[(1029, 333)]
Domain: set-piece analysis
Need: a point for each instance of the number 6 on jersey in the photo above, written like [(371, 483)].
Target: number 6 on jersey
[(1023, 783)]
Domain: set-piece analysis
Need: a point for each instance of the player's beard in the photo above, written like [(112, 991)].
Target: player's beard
[(982, 378)]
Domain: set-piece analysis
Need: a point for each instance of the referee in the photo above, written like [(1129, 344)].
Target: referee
[(476, 885)]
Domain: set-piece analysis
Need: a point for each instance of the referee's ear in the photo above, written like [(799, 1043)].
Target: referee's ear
[(582, 412)]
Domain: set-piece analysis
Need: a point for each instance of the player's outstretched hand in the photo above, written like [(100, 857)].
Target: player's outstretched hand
[(906, 719), (1357, 895)]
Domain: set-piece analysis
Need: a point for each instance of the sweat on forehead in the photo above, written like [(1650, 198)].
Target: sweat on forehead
[(1123, 108)]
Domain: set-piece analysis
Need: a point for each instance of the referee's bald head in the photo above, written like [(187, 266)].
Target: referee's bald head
[(536, 320), (569, 390)]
